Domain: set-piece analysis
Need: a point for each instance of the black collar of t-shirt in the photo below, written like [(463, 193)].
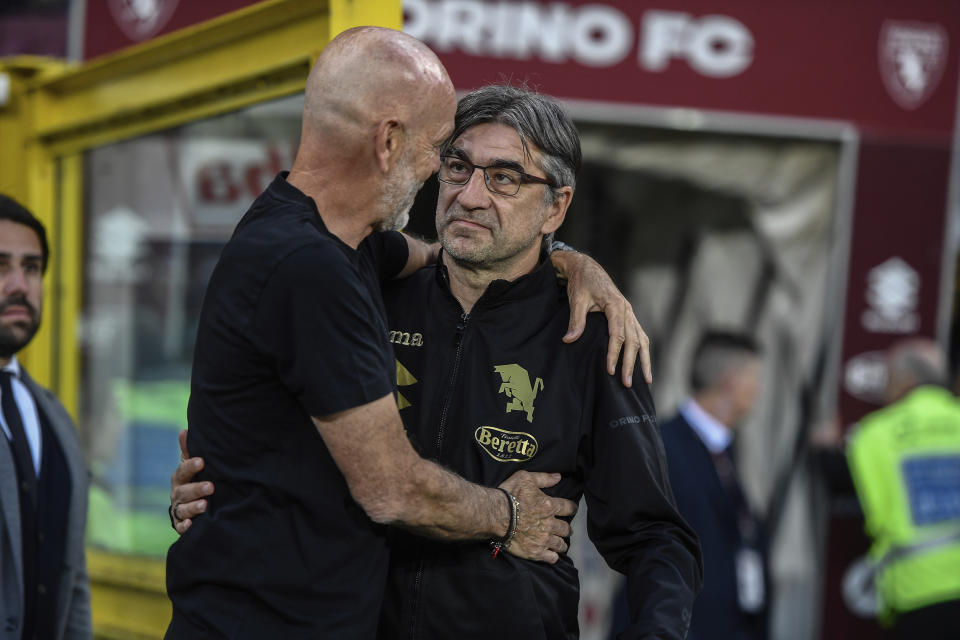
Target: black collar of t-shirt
[(281, 189)]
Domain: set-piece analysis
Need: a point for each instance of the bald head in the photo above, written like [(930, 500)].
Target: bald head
[(378, 106), (366, 74), (911, 363)]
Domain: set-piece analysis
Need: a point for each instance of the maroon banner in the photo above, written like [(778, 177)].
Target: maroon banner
[(110, 25), (896, 258), (893, 290), (885, 66)]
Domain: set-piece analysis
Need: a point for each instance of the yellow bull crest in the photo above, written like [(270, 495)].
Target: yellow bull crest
[(516, 384)]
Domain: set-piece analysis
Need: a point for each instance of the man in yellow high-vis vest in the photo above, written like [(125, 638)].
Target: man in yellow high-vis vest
[(905, 462)]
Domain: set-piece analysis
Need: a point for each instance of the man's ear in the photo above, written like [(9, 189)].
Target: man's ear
[(388, 143), (557, 211)]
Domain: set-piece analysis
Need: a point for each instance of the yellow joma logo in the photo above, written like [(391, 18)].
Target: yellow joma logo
[(516, 384)]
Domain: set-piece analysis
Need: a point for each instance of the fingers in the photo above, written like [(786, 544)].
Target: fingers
[(182, 439), (192, 492), (563, 507), (646, 364), (184, 512), (613, 350), (182, 525), (578, 319), (542, 480), (550, 557), (189, 510), (557, 544), (542, 540), (185, 471), (627, 334), (631, 348)]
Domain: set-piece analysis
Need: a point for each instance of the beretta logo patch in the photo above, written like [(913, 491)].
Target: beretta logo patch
[(506, 446)]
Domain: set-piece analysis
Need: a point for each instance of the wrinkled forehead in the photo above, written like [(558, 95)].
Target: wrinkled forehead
[(495, 141)]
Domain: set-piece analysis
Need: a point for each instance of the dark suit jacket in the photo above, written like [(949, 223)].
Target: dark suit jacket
[(73, 600), (707, 507)]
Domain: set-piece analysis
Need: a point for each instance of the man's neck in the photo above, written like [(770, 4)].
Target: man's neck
[(337, 205), (4, 362), (469, 281)]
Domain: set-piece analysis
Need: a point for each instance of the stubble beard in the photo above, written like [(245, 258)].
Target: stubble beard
[(479, 254), (14, 337), (398, 197)]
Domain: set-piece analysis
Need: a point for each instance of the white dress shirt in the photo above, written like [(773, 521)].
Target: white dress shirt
[(715, 435), (28, 413)]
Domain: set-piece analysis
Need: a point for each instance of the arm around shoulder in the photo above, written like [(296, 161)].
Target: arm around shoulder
[(420, 254)]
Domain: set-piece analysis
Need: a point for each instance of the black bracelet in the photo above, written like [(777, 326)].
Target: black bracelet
[(512, 528), (173, 521)]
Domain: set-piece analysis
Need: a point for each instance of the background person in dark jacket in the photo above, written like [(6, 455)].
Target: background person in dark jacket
[(486, 388), (43, 480), (699, 441)]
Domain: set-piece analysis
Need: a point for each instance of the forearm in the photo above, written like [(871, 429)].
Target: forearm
[(420, 254), (566, 260), (394, 485), (435, 502)]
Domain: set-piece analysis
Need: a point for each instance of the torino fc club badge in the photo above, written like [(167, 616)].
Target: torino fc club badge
[(912, 58), (142, 19)]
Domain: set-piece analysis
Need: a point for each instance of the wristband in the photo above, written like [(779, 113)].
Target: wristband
[(512, 528), (173, 522)]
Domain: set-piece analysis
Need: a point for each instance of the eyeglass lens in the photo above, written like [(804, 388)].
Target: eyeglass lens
[(498, 179)]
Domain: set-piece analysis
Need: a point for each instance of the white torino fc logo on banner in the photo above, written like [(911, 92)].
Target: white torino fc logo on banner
[(893, 290), (912, 57), (142, 19)]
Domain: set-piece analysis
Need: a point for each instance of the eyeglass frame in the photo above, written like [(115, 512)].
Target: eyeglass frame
[(525, 178)]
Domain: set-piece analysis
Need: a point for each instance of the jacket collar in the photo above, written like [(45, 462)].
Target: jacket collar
[(716, 436), (542, 280)]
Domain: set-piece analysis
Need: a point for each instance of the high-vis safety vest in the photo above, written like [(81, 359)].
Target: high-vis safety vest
[(905, 462)]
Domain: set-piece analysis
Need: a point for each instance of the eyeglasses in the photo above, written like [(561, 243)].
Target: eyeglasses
[(499, 180)]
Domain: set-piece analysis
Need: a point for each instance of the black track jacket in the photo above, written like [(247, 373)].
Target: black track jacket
[(495, 391)]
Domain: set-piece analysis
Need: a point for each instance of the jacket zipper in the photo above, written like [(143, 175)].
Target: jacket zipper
[(415, 600), (461, 329)]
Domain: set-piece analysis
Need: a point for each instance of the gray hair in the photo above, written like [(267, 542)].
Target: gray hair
[(535, 117), (918, 361), (718, 353)]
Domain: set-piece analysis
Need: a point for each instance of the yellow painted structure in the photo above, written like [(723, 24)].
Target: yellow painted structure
[(56, 111)]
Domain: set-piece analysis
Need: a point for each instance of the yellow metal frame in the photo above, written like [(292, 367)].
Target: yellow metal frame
[(57, 111)]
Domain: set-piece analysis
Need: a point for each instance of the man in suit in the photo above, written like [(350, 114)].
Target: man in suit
[(724, 385), (44, 590)]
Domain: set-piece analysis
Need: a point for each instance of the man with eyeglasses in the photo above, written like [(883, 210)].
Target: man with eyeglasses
[(486, 388)]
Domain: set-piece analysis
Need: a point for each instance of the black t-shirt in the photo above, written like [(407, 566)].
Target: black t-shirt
[(292, 325)]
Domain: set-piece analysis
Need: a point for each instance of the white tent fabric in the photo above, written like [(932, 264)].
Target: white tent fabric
[(781, 254)]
